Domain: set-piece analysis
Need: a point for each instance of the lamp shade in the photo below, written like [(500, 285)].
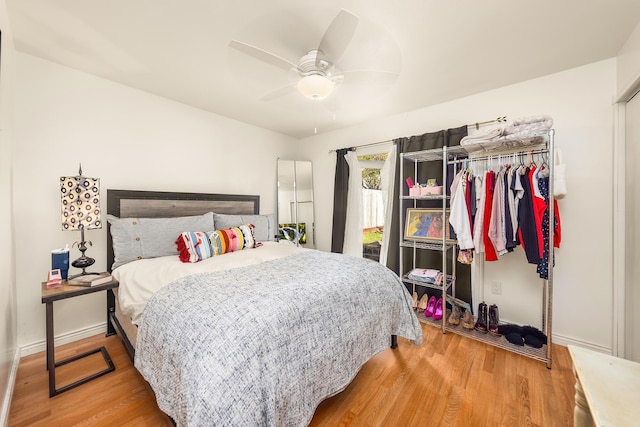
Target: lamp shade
[(80, 197), (315, 86)]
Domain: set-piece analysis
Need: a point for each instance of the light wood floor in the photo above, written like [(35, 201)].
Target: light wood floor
[(449, 380)]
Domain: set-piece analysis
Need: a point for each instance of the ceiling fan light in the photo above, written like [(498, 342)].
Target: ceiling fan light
[(315, 86)]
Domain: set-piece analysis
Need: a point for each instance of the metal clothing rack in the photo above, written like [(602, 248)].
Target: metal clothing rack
[(443, 245), (547, 146), (456, 156)]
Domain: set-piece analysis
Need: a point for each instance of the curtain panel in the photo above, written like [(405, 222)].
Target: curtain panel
[(428, 259), (340, 195)]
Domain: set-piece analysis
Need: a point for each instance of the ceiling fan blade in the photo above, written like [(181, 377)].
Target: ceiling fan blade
[(262, 55), (337, 37), (279, 93), (369, 76)]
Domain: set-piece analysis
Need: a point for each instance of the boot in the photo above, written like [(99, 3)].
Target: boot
[(494, 319), (456, 315), (481, 322), (467, 320)]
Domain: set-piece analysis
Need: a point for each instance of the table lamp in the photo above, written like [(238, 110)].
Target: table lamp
[(80, 197)]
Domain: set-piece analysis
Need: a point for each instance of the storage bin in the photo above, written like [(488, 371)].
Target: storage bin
[(431, 191)]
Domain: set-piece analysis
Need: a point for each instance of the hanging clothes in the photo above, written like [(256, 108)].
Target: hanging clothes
[(510, 242), (496, 233), (543, 266), (489, 250), (526, 219), (459, 213), (478, 240), (539, 207)]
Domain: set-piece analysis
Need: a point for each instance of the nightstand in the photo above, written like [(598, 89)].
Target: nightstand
[(64, 292)]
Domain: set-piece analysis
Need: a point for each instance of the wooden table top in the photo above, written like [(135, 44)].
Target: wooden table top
[(69, 291), (611, 386)]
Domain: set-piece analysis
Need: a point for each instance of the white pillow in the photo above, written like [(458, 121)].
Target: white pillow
[(265, 225), (139, 238)]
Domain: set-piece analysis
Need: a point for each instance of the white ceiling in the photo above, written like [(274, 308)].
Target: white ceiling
[(442, 50)]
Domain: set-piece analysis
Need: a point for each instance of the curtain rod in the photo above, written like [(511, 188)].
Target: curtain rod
[(476, 124), (366, 145), (498, 120)]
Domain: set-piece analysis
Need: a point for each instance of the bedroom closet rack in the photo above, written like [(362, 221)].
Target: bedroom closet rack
[(443, 245), (541, 144)]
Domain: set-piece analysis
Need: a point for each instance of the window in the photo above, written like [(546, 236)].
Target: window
[(372, 205)]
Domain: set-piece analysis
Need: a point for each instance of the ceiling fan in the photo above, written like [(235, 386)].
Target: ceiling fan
[(315, 74)]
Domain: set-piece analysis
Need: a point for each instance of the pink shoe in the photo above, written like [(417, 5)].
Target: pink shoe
[(437, 314), (431, 307)]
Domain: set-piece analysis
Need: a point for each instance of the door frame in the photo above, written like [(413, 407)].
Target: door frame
[(619, 216)]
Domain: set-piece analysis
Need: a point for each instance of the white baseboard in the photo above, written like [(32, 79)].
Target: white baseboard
[(67, 338), (6, 403), (565, 341)]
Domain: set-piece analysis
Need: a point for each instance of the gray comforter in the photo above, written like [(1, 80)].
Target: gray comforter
[(265, 344)]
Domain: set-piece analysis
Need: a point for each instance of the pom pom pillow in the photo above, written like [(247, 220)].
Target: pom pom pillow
[(194, 246), (232, 239)]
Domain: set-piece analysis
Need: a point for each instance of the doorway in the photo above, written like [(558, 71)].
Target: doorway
[(373, 208), (632, 229)]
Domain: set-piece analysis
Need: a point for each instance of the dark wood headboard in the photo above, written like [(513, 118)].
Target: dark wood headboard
[(163, 204)]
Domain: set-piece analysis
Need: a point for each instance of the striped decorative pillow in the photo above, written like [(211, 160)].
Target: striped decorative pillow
[(232, 239), (193, 246)]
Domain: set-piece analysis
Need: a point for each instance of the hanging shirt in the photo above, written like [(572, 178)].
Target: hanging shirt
[(470, 197), (543, 266), (526, 219), (539, 207), (489, 250), (459, 214), (478, 221), (508, 220), (513, 209), (497, 219)]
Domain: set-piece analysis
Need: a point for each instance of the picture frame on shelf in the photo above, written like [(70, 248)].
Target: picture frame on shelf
[(427, 225)]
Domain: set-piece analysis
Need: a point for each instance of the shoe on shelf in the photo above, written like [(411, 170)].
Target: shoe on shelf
[(437, 314), (467, 320), (423, 302), (481, 322), (415, 301), (457, 301), (454, 317), (494, 319), (533, 337), (431, 307)]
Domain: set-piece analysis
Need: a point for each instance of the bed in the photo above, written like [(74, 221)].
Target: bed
[(258, 336)]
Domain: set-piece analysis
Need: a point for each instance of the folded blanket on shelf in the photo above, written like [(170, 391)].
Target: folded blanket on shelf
[(528, 126), (426, 275), (486, 135)]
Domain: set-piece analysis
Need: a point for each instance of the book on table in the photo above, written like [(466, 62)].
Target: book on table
[(90, 279)]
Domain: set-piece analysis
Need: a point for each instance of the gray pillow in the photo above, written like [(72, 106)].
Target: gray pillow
[(265, 224), (138, 238)]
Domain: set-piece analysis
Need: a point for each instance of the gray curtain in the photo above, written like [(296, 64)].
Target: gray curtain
[(428, 259), (340, 189)]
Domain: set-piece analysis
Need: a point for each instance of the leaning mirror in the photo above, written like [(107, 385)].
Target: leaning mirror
[(295, 202)]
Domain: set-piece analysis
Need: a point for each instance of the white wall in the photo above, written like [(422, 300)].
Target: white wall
[(628, 63), (9, 352), (580, 101), (130, 140)]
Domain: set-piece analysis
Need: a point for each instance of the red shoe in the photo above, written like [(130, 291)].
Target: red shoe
[(437, 314), (431, 307)]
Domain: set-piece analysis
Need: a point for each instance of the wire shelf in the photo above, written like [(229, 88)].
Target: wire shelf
[(431, 197), (450, 280), (435, 246), (488, 338), (434, 154)]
